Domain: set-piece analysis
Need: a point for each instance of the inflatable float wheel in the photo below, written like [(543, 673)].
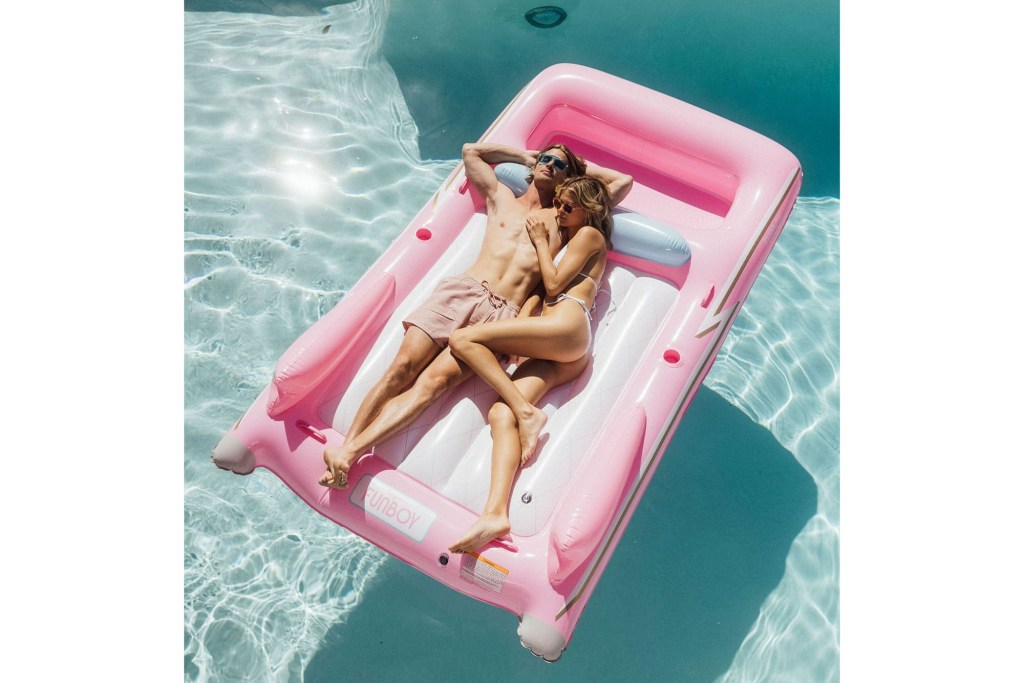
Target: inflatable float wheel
[(541, 638), (231, 454)]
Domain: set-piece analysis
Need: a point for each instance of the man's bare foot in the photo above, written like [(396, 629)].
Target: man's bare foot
[(338, 461), (530, 427), (484, 530), (327, 480)]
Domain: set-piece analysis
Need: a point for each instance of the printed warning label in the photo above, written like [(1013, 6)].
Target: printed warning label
[(483, 572)]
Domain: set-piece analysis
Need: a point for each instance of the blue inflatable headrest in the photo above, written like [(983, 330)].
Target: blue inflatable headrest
[(633, 234), (513, 176)]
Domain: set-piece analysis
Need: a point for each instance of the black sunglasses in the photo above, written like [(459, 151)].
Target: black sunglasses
[(559, 204), (545, 159)]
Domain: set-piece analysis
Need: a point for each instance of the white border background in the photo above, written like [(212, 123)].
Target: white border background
[(931, 371), (92, 122)]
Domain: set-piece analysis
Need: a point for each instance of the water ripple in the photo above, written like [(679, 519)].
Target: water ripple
[(287, 163), (780, 365)]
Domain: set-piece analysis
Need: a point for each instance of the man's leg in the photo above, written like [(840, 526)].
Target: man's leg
[(417, 350), (443, 373)]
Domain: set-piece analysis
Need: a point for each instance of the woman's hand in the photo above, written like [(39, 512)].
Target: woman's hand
[(537, 230)]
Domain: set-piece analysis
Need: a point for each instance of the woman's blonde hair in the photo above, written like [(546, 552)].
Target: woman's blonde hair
[(593, 197)]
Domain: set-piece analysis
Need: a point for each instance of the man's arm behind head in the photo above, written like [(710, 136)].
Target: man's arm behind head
[(619, 184), (478, 157)]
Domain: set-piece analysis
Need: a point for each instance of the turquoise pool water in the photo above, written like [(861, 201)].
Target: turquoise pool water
[(311, 137)]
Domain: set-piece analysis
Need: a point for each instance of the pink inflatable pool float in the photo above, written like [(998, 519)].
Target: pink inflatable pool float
[(708, 202)]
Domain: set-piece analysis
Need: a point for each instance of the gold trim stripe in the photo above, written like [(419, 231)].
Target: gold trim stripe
[(706, 330), (757, 242)]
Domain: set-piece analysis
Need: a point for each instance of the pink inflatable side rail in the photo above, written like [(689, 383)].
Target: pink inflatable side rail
[(725, 190)]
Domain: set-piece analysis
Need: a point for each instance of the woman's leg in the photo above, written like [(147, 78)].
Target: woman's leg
[(532, 379), (505, 456), (559, 337)]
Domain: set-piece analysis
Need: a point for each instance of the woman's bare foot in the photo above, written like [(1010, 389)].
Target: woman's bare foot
[(530, 426), (339, 461), (484, 530)]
